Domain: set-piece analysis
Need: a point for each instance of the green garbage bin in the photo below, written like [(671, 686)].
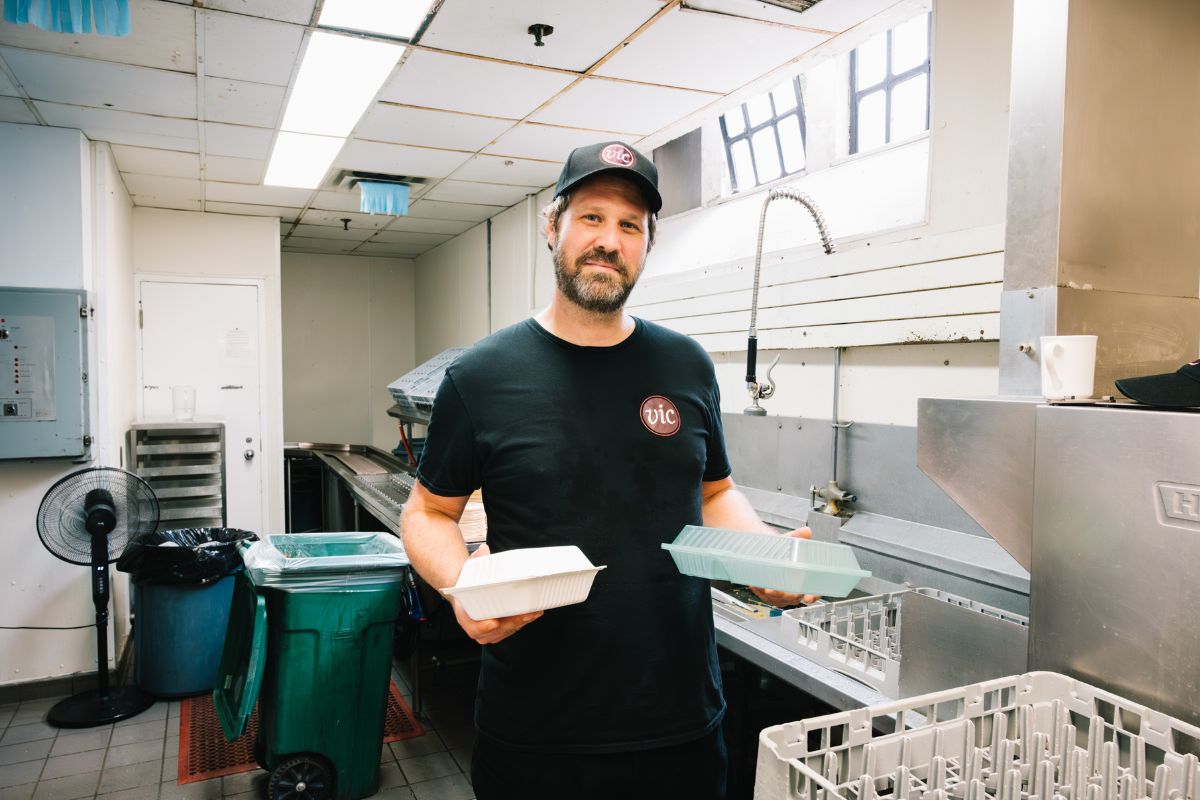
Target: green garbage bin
[(309, 638)]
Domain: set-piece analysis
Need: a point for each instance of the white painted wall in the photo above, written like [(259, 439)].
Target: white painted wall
[(114, 337), (197, 244), (451, 294), (61, 226), (348, 331)]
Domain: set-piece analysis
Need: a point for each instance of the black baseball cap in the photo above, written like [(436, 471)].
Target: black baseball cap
[(611, 157), (1179, 389)]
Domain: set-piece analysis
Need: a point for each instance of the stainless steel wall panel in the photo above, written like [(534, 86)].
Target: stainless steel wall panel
[(1116, 552)]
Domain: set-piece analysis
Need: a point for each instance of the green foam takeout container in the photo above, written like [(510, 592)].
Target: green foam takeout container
[(766, 560)]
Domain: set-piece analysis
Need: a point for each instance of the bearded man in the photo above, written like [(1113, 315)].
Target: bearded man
[(586, 426)]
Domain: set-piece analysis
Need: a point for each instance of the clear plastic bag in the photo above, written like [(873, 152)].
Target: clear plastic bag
[(325, 560)]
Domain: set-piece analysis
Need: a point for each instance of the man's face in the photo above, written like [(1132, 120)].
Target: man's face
[(600, 246)]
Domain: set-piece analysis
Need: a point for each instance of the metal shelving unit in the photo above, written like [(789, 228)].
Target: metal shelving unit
[(184, 462)]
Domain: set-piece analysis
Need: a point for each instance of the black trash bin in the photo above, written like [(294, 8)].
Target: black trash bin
[(182, 587)]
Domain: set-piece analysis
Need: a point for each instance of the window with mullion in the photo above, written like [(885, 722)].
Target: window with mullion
[(889, 85), (764, 137)]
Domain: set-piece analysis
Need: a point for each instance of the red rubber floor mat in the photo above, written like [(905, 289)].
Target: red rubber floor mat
[(204, 753)]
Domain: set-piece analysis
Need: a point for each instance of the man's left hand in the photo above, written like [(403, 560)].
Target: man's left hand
[(785, 599)]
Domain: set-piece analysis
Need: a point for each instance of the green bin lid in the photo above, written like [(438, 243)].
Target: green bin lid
[(242, 660)]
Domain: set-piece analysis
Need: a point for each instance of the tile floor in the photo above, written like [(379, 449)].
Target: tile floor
[(137, 758)]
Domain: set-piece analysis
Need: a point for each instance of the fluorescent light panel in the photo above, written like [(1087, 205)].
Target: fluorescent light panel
[(301, 160), (399, 18), (338, 79)]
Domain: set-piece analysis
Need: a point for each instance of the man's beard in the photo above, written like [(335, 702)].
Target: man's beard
[(599, 292)]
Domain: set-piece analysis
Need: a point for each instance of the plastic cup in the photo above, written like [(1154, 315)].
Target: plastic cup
[(183, 402)]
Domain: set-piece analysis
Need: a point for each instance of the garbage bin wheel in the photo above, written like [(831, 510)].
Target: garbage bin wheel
[(301, 778)]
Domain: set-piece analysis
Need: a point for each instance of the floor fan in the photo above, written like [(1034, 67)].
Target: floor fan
[(87, 518)]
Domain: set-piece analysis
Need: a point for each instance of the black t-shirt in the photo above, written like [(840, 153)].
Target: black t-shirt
[(604, 448)]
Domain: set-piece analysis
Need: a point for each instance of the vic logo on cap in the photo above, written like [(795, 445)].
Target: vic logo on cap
[(618, 155), (660, 416)]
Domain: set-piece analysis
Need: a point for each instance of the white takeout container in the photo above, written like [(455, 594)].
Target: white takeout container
[(524, 580)]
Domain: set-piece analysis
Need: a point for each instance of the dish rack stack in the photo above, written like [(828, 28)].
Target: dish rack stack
[(414, 391), (1040, 735)]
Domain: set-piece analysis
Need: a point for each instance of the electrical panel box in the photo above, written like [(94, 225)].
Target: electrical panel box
[(43, 373)]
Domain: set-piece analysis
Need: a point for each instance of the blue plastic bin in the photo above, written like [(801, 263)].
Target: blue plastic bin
[(179, 633)]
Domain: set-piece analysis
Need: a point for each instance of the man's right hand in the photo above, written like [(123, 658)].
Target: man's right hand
[(490, 631)]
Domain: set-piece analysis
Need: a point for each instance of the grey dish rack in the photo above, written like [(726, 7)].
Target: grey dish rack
[(184, 462), (910, 642)]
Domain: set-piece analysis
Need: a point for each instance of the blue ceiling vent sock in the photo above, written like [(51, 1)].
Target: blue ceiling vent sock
[(71, 16), (383, 198)]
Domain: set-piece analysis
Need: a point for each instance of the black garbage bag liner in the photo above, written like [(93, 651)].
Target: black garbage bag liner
[(195, 556)]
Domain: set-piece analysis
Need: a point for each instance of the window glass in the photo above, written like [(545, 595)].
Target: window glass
[(735, 121), (792, 144), (766, 154), (910, 44), (871, 131), (784, 96), (743, 165), (872, 60), (908, 107)]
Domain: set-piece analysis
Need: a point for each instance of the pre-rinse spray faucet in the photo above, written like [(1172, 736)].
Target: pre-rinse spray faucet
[(762, 391)]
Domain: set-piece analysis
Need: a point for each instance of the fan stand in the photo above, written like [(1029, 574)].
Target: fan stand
[(104, 704)]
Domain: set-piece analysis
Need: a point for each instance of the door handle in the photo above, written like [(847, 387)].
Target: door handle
[(248, 455)]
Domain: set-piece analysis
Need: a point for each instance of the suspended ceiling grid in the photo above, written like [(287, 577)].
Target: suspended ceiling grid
[(192, 100)]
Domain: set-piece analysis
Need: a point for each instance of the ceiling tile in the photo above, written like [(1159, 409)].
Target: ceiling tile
[(250, 49), (453, 227), (147, 189), (713, 52), (512, 171), (390, 236), (234, 170), (163, 36), (241, 102), (457, 83), (437, 209), (418, 126), (84, 82), (295, 11), (398, 159), (337, 201), (318, 216), (385, 250), (355, 234), (237, 141), (583, 32), (614, 106), (300, 243), (547, 142), (261, 195), (841, 16), (283, 212), (13, 109), (7, 87), (490, 193), (120, 127), (148, 161)]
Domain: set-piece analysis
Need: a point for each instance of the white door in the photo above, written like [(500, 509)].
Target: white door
[(206, 335)]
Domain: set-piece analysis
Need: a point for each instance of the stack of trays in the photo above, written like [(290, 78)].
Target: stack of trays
[(767, 560), (414, 391), (522, 581)]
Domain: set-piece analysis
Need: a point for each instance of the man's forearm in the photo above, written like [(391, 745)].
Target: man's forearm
[(434, 545), (731, 510)]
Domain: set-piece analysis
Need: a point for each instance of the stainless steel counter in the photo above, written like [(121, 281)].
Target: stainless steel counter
[(381, 495)]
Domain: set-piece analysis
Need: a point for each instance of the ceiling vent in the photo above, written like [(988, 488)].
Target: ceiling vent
[(793, 5), (347, 180)]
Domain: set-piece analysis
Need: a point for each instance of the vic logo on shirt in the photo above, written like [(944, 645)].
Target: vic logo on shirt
[(660, 416)]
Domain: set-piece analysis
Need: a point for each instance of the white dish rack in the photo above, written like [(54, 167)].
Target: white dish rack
[(1040, 735)]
